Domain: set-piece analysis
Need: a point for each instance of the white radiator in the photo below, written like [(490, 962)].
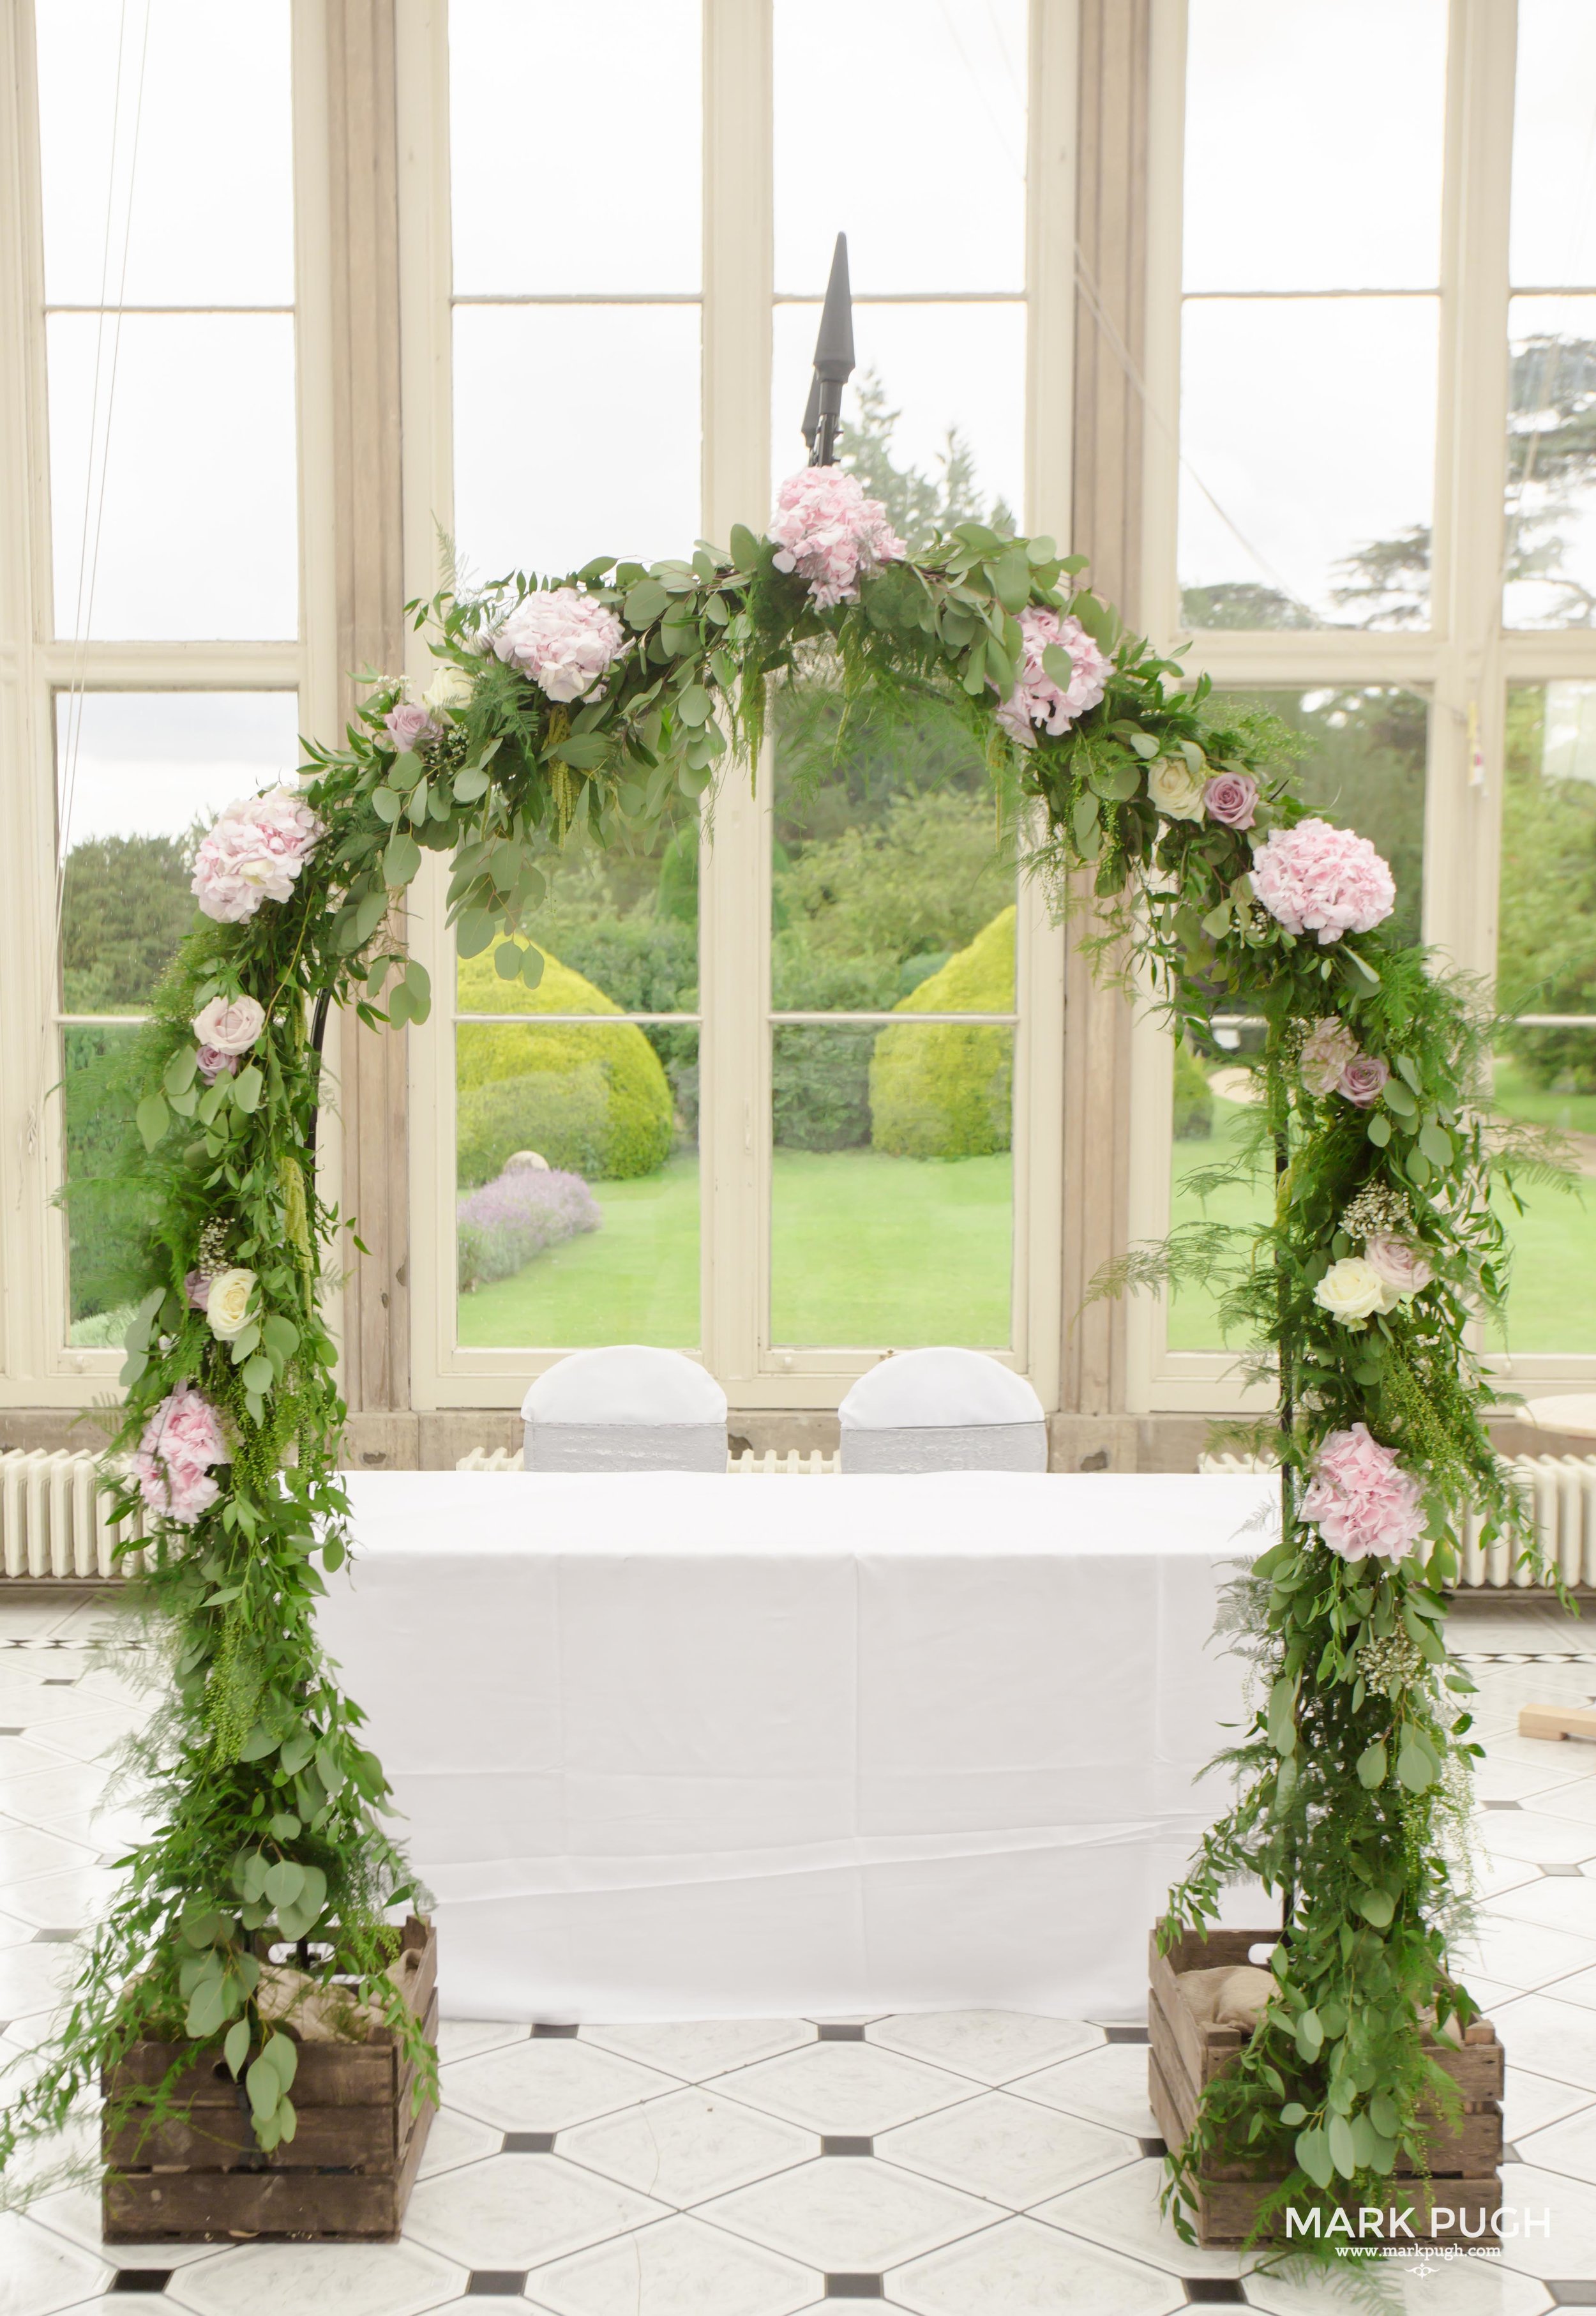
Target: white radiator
[(54, 1518), (794, 1464), (1562, 1490)]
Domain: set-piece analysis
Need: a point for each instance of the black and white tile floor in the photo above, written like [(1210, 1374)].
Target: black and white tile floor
[(971, 2164)]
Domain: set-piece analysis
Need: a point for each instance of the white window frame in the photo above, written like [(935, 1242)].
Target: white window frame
[(38, 1366), (735, 870), (1462, 663)]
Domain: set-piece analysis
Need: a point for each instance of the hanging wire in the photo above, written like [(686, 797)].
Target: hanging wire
[(93, 515)]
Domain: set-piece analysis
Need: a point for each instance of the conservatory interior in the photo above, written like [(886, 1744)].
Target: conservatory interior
[(797, 1107)]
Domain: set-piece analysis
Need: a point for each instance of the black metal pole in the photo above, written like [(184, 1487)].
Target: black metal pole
[(833, 362)]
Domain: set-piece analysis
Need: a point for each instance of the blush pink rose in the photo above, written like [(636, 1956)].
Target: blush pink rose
[(1362, 1079), (564, 640), (1038, 698), (1315, 878), (408, 727), (212, 1064), (1232, 799), (1398, 1263), (229, 1025), (1326, 1050), (1360, 1498), (830, 534)]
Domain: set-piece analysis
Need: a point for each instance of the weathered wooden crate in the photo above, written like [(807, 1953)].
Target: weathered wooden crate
[(346, 2175), (1465, 2175)]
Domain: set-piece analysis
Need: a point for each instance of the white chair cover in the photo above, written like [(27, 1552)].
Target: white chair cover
[(625, 1408), (943, 1411)]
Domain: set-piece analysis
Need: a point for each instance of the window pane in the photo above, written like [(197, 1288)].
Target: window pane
[(1325, 489), (1219, 1172), (574, 145), (1550, 570), (1554, 179), (186, 107), (576, 434), (191, 528), (934, 417), (1285, 107), (598, 1244), (104, 1218), (140, 777), (890, 863), (1547, 964), (618, 932), (865, 86), (891, 1190)]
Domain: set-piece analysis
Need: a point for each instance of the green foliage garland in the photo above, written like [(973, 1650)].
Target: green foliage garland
[(268, 1807)]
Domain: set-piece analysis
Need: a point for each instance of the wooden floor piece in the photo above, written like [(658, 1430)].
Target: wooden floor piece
[(1557, 1721)]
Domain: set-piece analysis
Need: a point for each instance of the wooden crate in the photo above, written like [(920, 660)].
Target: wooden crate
[(1183, 2057), (346, 2175)]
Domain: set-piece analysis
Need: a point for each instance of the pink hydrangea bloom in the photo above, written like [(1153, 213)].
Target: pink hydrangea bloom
[(1398, 1262), (829, 532), (254, 854), (564, 640), (1038, 697), (181, 1439), (1360, 1498), (1363, 1080), (1315, 878), (408, 726), (1232, 799), (1326, 1050)]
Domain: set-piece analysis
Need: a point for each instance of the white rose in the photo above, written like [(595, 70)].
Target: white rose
[(228, 1302), (1176, 788), (232, 1027), (1351, 1290), (450, 687)]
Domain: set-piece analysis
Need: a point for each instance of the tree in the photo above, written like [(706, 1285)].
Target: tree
[(125, 905), (918, 504), (1242, 603)]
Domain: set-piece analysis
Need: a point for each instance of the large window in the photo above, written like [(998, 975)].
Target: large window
[(1371, 512), (768, 1092), (154, 566)]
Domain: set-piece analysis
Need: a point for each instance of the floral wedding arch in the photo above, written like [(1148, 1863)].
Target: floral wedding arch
[(596, 698)]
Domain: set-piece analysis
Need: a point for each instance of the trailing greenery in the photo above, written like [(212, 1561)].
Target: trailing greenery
[(267, 1804)]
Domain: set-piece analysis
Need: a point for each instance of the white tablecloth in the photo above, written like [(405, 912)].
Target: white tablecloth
[(673, 1745)]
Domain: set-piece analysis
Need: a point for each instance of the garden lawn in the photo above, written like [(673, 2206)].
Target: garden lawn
[(866, 1249)]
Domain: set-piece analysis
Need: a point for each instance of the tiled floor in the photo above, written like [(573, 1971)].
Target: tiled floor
[(978, 2164)]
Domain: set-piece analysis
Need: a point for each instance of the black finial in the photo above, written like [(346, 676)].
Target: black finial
[(833, 362)]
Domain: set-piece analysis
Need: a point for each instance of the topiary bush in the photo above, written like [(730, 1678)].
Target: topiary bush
[(945, 1090), (594, 1102)]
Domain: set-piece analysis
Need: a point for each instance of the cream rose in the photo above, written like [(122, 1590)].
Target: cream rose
[(1351, 1290), (229, 1026), (450, 687), (228, 1302), (1176, 789)]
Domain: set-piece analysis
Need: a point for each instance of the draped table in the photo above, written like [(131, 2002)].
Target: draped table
[(674, 1745)]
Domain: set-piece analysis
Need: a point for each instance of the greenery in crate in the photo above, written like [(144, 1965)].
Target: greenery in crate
[(597, 700)]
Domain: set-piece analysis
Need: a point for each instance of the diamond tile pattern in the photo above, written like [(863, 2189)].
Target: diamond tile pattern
[(978, 2163)]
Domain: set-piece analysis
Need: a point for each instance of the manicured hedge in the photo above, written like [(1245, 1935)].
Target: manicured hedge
[(594, 1103), (947, 1091)]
